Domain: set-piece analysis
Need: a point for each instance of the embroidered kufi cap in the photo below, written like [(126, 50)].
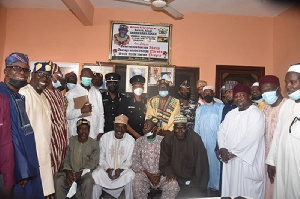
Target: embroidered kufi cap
[(121, 119), (208, 88), (82, 121), (269, 79), (201, 83), (185, 84), (42, 66), (137, 79), (241, 88), (294, 68), (180, 119), (152, 119), (16, 57), (163, 81), (229, 85), (112, 77), (255, 84)]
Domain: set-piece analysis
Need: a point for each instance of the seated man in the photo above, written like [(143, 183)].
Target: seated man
[(183, 158), (82, 156), (145, 164), (114, 172)]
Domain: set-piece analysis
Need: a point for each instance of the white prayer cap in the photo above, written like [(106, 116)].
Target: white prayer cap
[(294, 68), (255, 84), (208, 87)]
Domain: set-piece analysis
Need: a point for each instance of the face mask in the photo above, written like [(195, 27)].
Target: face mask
[(86, 81), (295, 95), (138, 91), (56, 84), (113, 88), (71, 86), (148, 134), (185, 95), (258, 101), (208, 98), (17, 83), (270, 97), (163, 93)]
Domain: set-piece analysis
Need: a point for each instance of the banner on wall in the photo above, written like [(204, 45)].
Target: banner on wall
[(140, 42)]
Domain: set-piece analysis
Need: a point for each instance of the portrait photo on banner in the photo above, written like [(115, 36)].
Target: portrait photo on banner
[(133, 70), (161, 72)]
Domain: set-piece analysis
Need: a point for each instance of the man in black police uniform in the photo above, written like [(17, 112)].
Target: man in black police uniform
[(136, 107), (114, 103)]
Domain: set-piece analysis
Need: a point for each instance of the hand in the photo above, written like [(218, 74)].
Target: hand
[(218, 154), (151, 177), (99, 136), (109, 172), (77, 175), (156, 179), (170, 177), (69, 177), (224, 155), (118, 173), (271, 173), (23, 182), (86, 108)]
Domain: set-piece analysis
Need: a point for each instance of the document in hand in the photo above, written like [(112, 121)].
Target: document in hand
[(79, 102)]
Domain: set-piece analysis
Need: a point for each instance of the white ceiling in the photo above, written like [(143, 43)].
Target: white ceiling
[(263, 8)]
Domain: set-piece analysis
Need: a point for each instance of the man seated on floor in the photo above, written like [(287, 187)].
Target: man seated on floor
[(183, 157), (81, 158), (114, 172), (145, 164)]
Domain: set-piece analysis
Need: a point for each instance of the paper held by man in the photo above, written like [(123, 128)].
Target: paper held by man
[(79, 102)]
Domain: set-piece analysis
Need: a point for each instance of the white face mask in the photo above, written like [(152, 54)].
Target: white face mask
[(138, 91), (148, 134), (295, 95)]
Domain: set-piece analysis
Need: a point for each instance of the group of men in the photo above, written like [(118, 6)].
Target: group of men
[(91, 140)]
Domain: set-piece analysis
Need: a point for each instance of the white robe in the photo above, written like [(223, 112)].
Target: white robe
[(284, 152), (39, 113), (115, 154), (242, 133), (97, 117)]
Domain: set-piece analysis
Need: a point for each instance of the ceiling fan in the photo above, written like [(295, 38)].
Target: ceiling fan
[(158, 5)]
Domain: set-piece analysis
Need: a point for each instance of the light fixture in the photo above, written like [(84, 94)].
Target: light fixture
[(159, 3)]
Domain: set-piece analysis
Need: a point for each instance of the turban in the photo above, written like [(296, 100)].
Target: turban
[(153, 119), (180, 119), (185, 84), (42, 66), (208, 88), (269, 79), (16, 57), (241, 88), (255, 84), (121, 119), (294, 68), (82, 121), (70, 74), (201, 83), (229, 85)]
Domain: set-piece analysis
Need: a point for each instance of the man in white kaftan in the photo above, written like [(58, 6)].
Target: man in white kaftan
[(114, 172), (39, 113), (283, 159), (242, 148), (95, 106)]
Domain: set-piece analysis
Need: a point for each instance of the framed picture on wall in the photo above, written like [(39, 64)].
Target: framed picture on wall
[(161, 72), (101, 67), (140, 42), (132, 70), (65, 67)]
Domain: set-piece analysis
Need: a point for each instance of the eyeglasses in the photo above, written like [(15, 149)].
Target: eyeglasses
[(293, 122), (41, 74), (19, 68)]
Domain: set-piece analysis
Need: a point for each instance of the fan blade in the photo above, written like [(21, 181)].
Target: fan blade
[(141, 2), (172, 11)]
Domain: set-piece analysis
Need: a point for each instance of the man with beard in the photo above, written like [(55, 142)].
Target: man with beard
[(229, 85), (145, 164), (208, 119), (39, 113), (26, 168), (187, 106), (89, 105), (200, 85), (257, 96), (283, 159), (113, 102), (97, 81), (114, 172), (59, 125)]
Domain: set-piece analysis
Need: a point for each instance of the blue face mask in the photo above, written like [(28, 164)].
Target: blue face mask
[(86, 81), (71, 86), (148, 134), (163, 93), (258, 101), (295, 95), (56, 84), (270, 97)]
